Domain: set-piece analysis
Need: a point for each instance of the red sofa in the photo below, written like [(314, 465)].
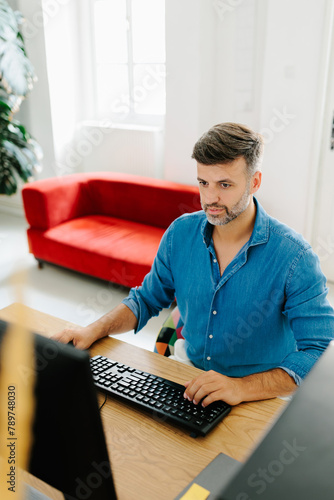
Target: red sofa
[(107, 225)]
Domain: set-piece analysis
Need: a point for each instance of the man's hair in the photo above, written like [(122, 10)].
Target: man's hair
[(226, 142)]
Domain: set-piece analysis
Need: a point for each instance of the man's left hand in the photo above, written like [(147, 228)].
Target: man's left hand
[(212, 386)]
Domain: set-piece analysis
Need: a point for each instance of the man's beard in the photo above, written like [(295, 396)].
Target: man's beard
[(230, 213)]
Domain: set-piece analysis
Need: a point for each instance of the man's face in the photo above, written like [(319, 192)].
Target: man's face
[(225, 190)]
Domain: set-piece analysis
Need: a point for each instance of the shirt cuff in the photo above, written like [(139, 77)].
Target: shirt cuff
[(292, 374), (300, 363), (134, 307), (134, 302)]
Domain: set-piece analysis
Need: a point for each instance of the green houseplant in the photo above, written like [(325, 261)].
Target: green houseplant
[(20, 154)]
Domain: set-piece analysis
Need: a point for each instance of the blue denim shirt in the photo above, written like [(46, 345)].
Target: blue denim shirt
[(269, 309)]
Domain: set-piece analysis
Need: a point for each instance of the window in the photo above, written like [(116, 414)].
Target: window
[(128, 38)]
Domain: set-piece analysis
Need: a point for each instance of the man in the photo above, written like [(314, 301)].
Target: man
[(249, 289)]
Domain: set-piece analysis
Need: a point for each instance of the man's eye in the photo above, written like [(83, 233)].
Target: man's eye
[(224, 185), (202, 183)]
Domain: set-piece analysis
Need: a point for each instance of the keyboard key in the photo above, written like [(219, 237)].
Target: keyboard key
[(124, 383), (199, 422)]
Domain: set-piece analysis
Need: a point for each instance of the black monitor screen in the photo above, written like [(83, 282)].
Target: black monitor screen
[(69, 450), (295, 460)]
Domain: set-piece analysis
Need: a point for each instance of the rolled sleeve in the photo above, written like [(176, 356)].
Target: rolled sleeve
[(309, 313), (293, 375), (132, 304), (297, 378)]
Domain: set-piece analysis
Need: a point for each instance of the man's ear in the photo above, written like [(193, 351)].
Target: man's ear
[(256, 182)]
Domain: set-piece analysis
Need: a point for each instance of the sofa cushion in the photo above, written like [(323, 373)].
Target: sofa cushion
[(149, 201), (113, 249)]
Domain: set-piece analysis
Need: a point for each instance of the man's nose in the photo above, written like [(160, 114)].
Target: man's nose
[(211, 196)]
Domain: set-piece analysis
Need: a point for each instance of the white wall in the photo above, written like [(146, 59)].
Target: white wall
[(190, 60), (292, 91), (214, 73)]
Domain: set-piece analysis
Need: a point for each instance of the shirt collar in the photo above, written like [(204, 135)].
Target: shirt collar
[(260, 232)]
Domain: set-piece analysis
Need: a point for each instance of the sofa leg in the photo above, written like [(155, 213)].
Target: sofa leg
[(40, 264)]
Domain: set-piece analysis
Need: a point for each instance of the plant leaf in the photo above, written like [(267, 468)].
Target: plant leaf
[(20, 154), (13, 101), (8, 184), (8, 19), (12, 132), (20, 162), (36, 149), (16, 70), (4, 108)]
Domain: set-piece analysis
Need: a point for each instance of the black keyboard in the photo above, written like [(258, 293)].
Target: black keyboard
[(162, 398)]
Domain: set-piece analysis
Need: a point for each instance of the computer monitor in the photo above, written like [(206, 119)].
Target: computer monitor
[(69, 450), (294, 460), (296, 457)]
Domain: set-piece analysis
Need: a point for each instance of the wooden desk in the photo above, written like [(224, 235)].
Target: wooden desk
[(150, 459)]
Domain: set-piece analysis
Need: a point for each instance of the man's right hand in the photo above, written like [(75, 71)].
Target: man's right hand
[(119, 320), (81, 337)]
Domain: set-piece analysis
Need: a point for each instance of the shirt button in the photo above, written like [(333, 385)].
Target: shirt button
[(214, 260), (214, 312), (210, 336), (208, 358)]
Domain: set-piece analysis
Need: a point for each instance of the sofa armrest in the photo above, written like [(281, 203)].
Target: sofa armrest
[(49, 202)]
